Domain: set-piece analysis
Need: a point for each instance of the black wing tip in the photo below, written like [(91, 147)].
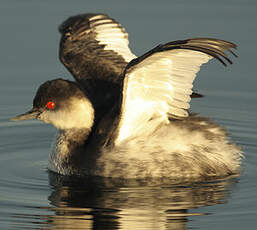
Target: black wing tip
[(196, 95), (222, 47), (211, 46), (215, 40), (75, 21)]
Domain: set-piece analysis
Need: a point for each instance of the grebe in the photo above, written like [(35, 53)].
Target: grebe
[(127, 116)]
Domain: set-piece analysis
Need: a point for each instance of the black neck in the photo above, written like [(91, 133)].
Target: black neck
[(70, 151)]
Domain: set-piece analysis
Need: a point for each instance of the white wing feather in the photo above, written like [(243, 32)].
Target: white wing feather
[(112, 35), (157, 88)]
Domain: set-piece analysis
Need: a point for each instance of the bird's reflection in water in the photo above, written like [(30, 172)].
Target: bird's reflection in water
[(97, 203)]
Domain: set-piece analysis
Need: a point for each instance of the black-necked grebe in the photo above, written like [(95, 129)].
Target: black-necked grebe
[(128, 117)]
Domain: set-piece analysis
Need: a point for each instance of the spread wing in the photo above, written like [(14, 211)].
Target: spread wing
[(157, 86), (94, 48)]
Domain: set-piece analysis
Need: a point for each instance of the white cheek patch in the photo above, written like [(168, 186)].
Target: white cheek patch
[(79, 114)]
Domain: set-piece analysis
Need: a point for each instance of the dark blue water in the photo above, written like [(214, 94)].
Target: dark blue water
[(33, 198)]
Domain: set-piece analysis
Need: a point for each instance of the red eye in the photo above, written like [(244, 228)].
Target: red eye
[(50, 105)]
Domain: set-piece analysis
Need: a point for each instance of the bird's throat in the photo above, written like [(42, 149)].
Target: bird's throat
[(68, 150)]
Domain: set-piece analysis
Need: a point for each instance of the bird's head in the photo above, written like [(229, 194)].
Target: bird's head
[(61, 103)]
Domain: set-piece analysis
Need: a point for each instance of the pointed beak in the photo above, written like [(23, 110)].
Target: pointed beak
[(31, 114)]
